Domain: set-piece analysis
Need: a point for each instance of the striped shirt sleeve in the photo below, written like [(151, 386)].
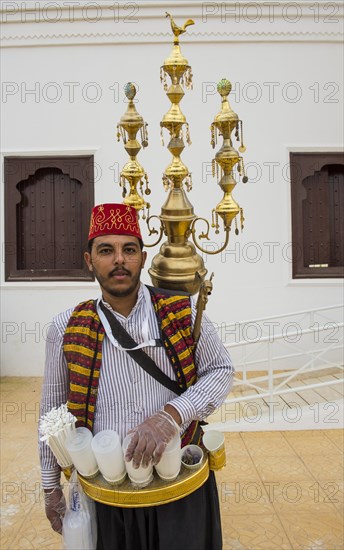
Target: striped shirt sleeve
[(215, 376), (54, 393)]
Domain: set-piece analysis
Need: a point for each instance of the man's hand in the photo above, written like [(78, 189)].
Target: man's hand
[(150, 438), (55, 507)]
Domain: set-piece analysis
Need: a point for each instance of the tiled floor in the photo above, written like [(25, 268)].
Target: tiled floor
[(279, 490)]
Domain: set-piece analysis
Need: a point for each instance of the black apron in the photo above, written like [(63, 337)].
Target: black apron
[(191, 523)]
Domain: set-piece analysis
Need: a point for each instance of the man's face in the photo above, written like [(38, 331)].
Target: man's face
[(116, 261)]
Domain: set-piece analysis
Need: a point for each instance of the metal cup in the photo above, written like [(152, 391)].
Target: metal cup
[(214, 442)]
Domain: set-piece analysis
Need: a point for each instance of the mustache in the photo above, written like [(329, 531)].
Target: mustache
[(119, 270)]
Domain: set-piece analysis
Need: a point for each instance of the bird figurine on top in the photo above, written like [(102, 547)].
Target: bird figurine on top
[(178, 30)]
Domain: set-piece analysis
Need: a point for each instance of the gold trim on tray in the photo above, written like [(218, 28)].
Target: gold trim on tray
[(158, 492)]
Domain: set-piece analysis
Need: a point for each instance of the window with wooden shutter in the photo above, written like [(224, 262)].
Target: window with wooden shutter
[(317, 198), (48, 202)]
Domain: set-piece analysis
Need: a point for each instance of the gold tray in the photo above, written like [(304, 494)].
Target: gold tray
[(158, 491)]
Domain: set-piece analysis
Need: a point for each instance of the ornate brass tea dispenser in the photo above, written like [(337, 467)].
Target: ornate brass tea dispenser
[(178, 266)]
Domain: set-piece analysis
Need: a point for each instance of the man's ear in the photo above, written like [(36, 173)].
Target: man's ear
[(87, 258), (144, 258)]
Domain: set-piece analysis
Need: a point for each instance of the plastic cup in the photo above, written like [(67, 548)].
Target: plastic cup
[(214, 442), (139, 476), (169, 465), (79, 446), (107, 449)]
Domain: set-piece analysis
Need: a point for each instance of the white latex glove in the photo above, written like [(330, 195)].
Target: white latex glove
[(55, 507), (149, 439)]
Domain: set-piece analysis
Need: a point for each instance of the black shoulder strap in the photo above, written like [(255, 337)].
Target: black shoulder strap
[(146, 362)]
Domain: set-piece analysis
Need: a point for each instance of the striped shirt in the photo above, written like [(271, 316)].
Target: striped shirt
[(127, 395)]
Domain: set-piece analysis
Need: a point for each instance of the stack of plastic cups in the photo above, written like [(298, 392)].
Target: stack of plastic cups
[(79, 446), (169, 465), (107, 448)]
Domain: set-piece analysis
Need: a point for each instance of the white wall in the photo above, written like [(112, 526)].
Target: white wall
[(285, 66)]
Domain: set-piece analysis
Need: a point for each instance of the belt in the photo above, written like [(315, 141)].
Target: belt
[(157, 493)]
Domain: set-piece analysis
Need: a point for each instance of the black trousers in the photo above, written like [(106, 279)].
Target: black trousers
[(192, 523)]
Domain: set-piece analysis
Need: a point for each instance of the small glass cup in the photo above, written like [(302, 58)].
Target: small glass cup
[(169, 465), (139, 476), (79, 446), (107, 448)]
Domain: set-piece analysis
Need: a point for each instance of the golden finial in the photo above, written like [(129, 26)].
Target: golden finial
[(178, 30), (130, 90), (224, 87)]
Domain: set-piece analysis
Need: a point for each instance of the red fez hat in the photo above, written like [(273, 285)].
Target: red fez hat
[(114, 219)]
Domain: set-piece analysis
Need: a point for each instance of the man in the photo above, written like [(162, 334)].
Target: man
[(107, 389)]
